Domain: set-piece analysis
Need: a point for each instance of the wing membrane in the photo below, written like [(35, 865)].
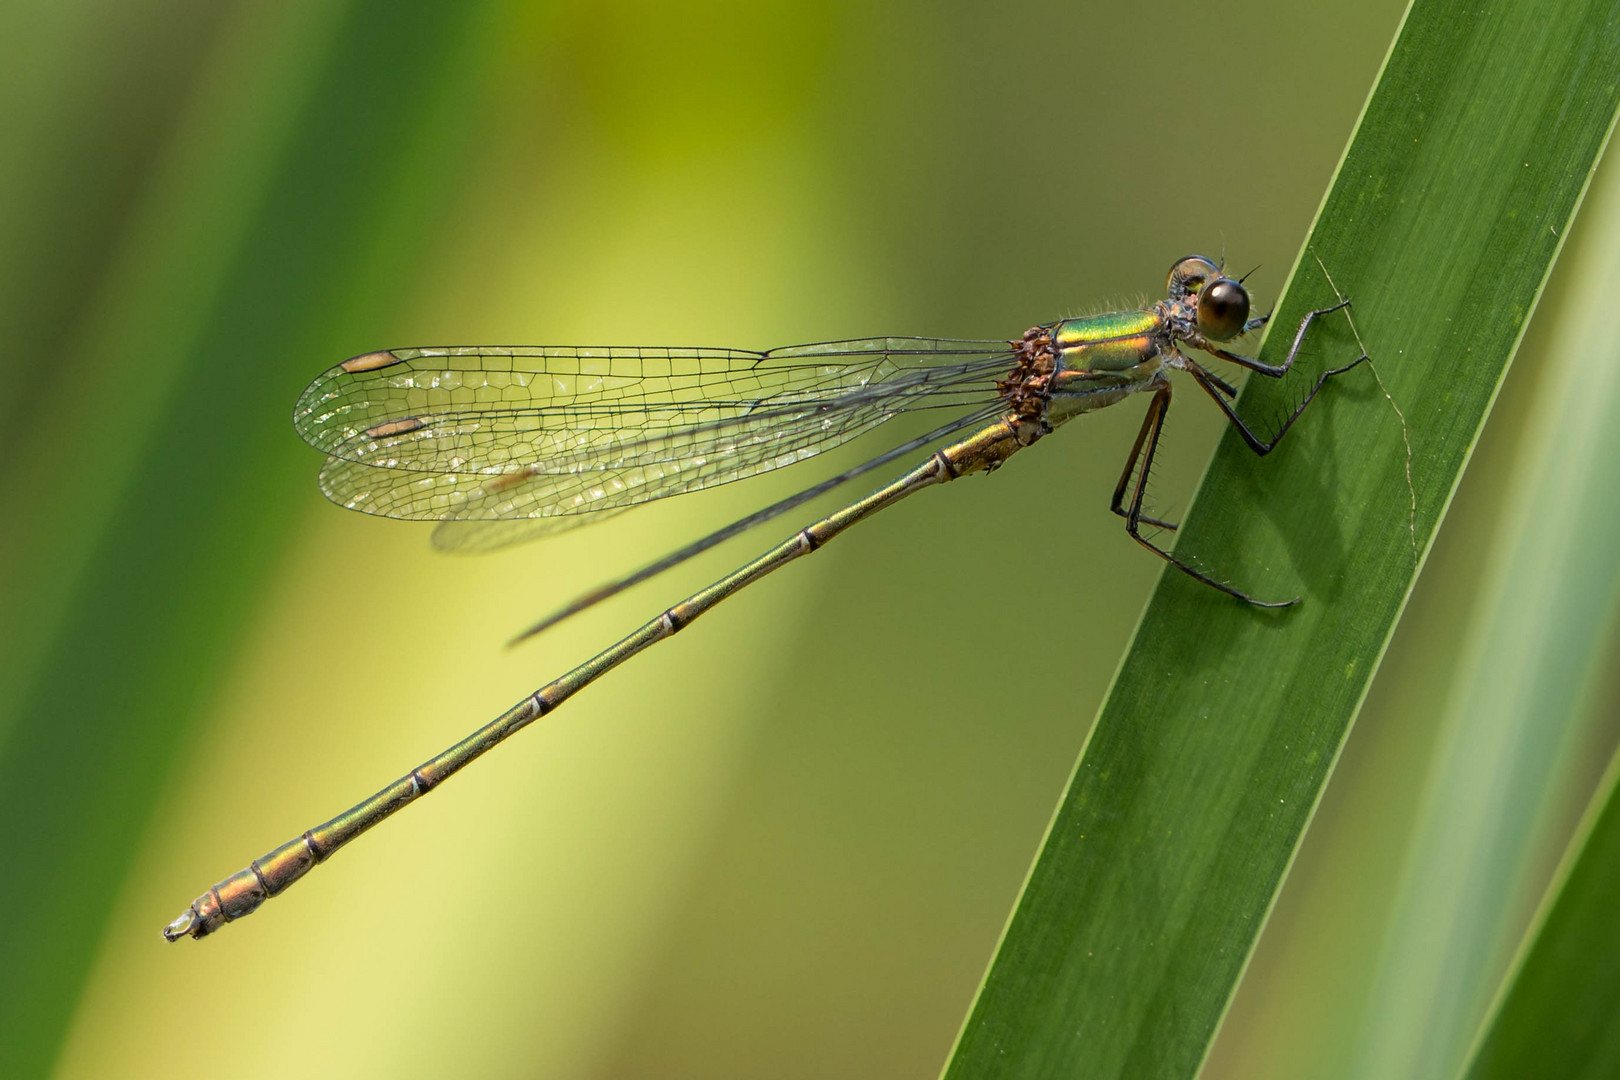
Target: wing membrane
[(541, 438)]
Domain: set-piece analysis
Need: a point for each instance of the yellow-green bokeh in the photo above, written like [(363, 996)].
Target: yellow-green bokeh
[(782, 845)]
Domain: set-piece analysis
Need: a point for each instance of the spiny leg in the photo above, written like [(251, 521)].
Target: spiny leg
[(1213, 387), (1147, 443), (1277, 371), (1220, 384), (1117, 505)]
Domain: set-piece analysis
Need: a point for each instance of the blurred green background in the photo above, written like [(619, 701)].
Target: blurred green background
[(782, 845)]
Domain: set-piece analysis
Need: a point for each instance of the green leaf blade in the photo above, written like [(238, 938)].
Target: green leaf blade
[(1221, 729), (1557, 1016)]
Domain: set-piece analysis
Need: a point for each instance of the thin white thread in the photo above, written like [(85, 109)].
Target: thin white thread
[(1405, 436)]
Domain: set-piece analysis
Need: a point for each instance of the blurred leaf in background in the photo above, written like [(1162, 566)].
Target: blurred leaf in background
[(154, 471), (1556, 1012)]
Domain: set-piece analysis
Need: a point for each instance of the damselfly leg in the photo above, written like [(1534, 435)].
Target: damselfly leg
[(1214, 386), (1147, 439)]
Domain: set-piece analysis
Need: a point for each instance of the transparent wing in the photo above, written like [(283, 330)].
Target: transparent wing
[(505, 444), (477, 536)]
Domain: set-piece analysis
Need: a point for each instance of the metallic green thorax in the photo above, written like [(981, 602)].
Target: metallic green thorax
[(1108, 326), (1101, 359)]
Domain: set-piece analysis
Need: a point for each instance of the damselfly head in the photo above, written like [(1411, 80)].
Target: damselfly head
[(1222, 304)]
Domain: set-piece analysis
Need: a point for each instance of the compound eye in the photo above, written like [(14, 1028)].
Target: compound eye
[(1223, 309), (1188, 275)]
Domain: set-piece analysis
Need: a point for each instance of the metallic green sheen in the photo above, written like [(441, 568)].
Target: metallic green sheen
[(1122, 356), (1103, 359), (1109, 326)]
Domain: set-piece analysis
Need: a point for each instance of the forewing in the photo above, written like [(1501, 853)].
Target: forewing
[(536, 434)]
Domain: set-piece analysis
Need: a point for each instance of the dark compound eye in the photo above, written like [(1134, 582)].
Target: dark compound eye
[(1223, 309)]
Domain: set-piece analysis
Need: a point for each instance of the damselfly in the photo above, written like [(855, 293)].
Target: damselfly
[(500, 445)]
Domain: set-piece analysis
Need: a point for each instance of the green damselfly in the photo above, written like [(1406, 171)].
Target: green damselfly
[(500, 445)]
